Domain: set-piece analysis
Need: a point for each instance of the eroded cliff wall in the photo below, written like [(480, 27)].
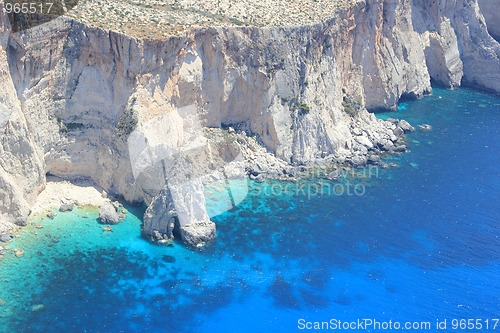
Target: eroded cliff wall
[(72, 93), (491, 12), (22, 173)]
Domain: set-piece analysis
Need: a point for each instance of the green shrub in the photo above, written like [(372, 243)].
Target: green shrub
[(349, 109), (304, 108)]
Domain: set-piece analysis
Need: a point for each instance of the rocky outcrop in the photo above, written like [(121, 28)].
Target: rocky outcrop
[(72, 96), (160, 218), (108, 214)]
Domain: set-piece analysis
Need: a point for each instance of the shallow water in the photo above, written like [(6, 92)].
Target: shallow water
[(421, 244)]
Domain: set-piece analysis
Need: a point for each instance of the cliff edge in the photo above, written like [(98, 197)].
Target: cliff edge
[(72, 94)]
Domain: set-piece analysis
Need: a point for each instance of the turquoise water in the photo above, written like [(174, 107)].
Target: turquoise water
[(420, 244)]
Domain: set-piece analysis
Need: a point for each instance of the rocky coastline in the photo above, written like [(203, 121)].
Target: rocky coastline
[(281, 97)]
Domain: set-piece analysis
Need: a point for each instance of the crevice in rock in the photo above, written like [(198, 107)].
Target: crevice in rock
[(177, 228)]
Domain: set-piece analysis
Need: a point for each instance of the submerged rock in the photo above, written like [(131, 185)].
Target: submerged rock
[(108, 214), (38, 307), (168, 259), (108, 228), (425, 127)]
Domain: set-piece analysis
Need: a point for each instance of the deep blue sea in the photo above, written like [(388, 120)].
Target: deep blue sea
[(420, 243)]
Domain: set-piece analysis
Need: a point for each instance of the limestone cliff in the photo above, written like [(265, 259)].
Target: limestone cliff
[(22, 173), (492, 16), (72, 94)]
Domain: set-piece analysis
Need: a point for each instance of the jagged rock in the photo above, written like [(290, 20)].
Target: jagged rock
[(363, 140), (405, 126), (356, 131), (51, 215), (198, 233), (385, 145), (398, 131), (399, 149), (122, 216), (374, 159), (66, 208), (157, 236), (359, 161), (22, 222), (259, 178), (162, 239), (179, 210), (116, 204), (108, 214)]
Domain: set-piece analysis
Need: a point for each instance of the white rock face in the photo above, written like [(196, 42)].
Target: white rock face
[(22, 173), (491, 12), (72, 94)]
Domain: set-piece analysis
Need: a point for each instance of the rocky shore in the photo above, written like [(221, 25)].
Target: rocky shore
[(369, 146), (62, 196), (73, 95)]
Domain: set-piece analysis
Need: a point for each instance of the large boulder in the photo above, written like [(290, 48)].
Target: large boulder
[(198, 233), (405, 126), (108, 214)]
